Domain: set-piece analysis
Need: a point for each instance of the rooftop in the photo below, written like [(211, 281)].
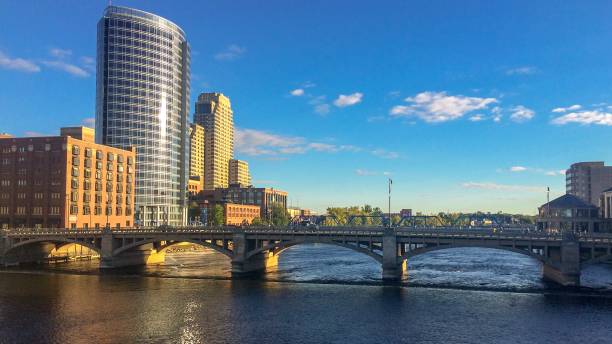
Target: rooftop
[(568, 201)]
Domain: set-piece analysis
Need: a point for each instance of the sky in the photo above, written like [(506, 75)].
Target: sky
[(471, 105)]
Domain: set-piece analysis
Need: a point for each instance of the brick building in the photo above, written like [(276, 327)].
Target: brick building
[(65, 181), (238, 214)]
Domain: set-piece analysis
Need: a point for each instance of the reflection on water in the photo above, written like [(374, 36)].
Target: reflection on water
[(136, 306), (475, 268)]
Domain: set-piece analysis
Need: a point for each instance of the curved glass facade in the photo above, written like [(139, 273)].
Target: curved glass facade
[(142, 101)]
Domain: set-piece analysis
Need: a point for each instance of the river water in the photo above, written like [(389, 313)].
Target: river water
[(317, 294)]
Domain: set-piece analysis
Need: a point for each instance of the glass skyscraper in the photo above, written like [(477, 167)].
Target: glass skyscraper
[(142, 101)]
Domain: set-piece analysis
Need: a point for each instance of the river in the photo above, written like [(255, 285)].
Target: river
[(317, 294)]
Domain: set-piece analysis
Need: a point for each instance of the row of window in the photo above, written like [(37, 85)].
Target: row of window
[(33, 211), (74, 210)]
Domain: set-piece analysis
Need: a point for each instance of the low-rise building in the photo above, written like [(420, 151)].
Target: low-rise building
[(568, 213), (239, 172), (240, 214), (65, 181), (265, 198)]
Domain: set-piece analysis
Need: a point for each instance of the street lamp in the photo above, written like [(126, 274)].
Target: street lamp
[(390, 183)]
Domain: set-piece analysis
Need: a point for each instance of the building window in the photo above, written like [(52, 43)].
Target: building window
[(22, 182), (74, 196), (98, 198), (38, 195), (109, 210), (99, 156), (88, 152), (21, 195), (110, 157), (98, 185), (54, 211), (37, 211), (74, 183), (75, 150), (20, 211), (4, 210), (5, 182), (97, 210), (55, 195), (74, 209), (75, 161), (86, 197), (86, 185), (86, 210)]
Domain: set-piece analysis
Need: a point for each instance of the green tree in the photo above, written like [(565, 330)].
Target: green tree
[(217, 217), (257, 222), (280, 217)]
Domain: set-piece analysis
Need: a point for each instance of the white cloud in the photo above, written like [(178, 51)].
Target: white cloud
[(18, 64), (502, 187), (60, 53), (585, 117), (348, 100), (67, 67), (297, 92), (574, 107), (524, 70), (497, 116), (30, 133), (518, 169), (362, 172), (322, 109), (89, 122), (381, 153), (260, 143), (521, 114), (230, 53), (435, 107), (476, 118)]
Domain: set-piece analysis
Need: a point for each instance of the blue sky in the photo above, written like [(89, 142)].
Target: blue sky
[(474, 105)]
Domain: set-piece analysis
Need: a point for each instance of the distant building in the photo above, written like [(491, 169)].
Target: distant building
[(5, 136), (196, 153), (213, 111), (294, 212), (142, 101), (587, 180), (239, 172), (240, 214), (265, 198), (568, 213), (605, 209), (65, 181), (405, 212)]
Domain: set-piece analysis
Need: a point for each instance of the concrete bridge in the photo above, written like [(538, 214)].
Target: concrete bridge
[(253, 249)]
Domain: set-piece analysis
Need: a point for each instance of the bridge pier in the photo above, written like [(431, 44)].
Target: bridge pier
[(243, 266), (391, 265), (145, 254), (567, 271)]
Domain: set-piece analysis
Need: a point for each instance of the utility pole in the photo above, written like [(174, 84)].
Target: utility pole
[(390, 183)]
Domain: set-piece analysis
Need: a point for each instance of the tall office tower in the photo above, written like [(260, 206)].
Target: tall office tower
[(142, 101), (214, 112), (196, 153), (587, 180), (239, 172)]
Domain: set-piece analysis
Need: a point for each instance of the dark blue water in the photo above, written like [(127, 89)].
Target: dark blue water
[(317, 294)]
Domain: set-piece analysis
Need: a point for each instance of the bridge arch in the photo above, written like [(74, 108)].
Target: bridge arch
[(171, 241), (54, 241), (278, 247), (426, 249)]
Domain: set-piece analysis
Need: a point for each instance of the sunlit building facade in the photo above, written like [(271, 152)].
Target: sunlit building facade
[(213, 111), (142, 101), (239, 172), (196, 153)]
